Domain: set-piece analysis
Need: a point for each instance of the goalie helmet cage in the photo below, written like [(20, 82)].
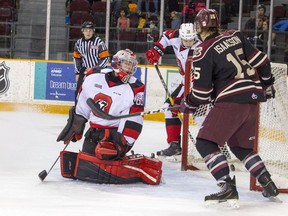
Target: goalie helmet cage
[(271, 136)]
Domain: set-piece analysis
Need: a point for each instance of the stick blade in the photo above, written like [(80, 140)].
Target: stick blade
[(42, 175)]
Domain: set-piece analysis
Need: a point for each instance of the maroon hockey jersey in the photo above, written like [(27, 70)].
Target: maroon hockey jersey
[(225, 69)]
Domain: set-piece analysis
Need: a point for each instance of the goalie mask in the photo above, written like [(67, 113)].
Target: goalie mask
[(187, 35), (124, 63)]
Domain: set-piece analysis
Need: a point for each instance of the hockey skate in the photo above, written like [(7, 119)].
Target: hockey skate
[(270, 190), (173, 149), (172, 153), (228, 195)]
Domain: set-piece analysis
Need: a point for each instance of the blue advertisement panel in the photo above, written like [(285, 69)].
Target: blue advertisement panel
[(56, 81), (60, 82)]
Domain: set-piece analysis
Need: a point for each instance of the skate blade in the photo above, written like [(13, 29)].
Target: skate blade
[(229, 204), (275, 199), (173, 158)]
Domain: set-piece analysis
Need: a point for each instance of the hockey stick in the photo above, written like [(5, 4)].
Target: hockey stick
[(107, 116), (224, 148), (171, 99), (43, 174)]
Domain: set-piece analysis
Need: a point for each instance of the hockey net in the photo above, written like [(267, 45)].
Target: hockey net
[(271, 140)]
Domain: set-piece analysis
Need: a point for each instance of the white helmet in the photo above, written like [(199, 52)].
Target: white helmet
[(187, 33), (124, 63)]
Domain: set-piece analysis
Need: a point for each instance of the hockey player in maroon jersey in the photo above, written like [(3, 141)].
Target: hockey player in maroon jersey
[(103, 157), (236, 76), (183, 42)]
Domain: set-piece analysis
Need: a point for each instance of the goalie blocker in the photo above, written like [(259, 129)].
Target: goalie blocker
[(130, 169)]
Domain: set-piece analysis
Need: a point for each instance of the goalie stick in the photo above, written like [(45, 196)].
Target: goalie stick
[(43, 174), (107, 116)]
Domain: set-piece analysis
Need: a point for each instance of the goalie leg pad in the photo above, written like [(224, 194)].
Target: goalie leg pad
[(149, 169), (67, 163), (90, 168), (124, 171)]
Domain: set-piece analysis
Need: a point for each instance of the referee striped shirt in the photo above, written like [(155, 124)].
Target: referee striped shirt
[(89, 53)]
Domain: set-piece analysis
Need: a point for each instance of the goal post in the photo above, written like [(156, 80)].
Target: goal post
[(271, 136)]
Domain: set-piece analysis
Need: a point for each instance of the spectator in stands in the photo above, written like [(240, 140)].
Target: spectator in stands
[(176, 20), (153, 32), (281, 26), (139, 7), (117, 6), (142, 21), (190, 11), (261, 10), (123, 22), (264, 34), (132, 6), (253, 30), (253, 26)]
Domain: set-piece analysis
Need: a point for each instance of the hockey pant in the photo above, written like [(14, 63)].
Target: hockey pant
[(131, 169)]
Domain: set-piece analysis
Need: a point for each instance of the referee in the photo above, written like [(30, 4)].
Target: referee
[(89, 51)]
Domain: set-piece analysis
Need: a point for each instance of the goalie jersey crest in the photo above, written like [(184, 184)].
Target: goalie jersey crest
[(4, 81)]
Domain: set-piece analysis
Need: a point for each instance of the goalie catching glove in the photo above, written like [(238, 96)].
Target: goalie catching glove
[(74, 128), (155, 53), (112, 147)]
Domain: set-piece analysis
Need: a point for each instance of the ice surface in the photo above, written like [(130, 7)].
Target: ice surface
[(28, 146)]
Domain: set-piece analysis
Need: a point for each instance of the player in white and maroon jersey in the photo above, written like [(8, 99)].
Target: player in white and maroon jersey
[(117, 92), (236, 76), (183, 41)]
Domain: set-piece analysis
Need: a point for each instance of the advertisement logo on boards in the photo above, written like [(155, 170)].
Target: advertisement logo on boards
[(60, 83), (4, 81)]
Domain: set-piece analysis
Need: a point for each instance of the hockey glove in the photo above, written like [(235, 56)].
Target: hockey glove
[(74, 128), (112, 147), (268, 82), (155, 53), (177, 101), (187, 106), (270, 92)]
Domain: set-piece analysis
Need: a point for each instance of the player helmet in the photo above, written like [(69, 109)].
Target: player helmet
[(206, 18), (187, 34), (88, 24), (124, 63)]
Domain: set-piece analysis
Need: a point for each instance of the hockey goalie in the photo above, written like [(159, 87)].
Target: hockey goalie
[(103, 156)]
